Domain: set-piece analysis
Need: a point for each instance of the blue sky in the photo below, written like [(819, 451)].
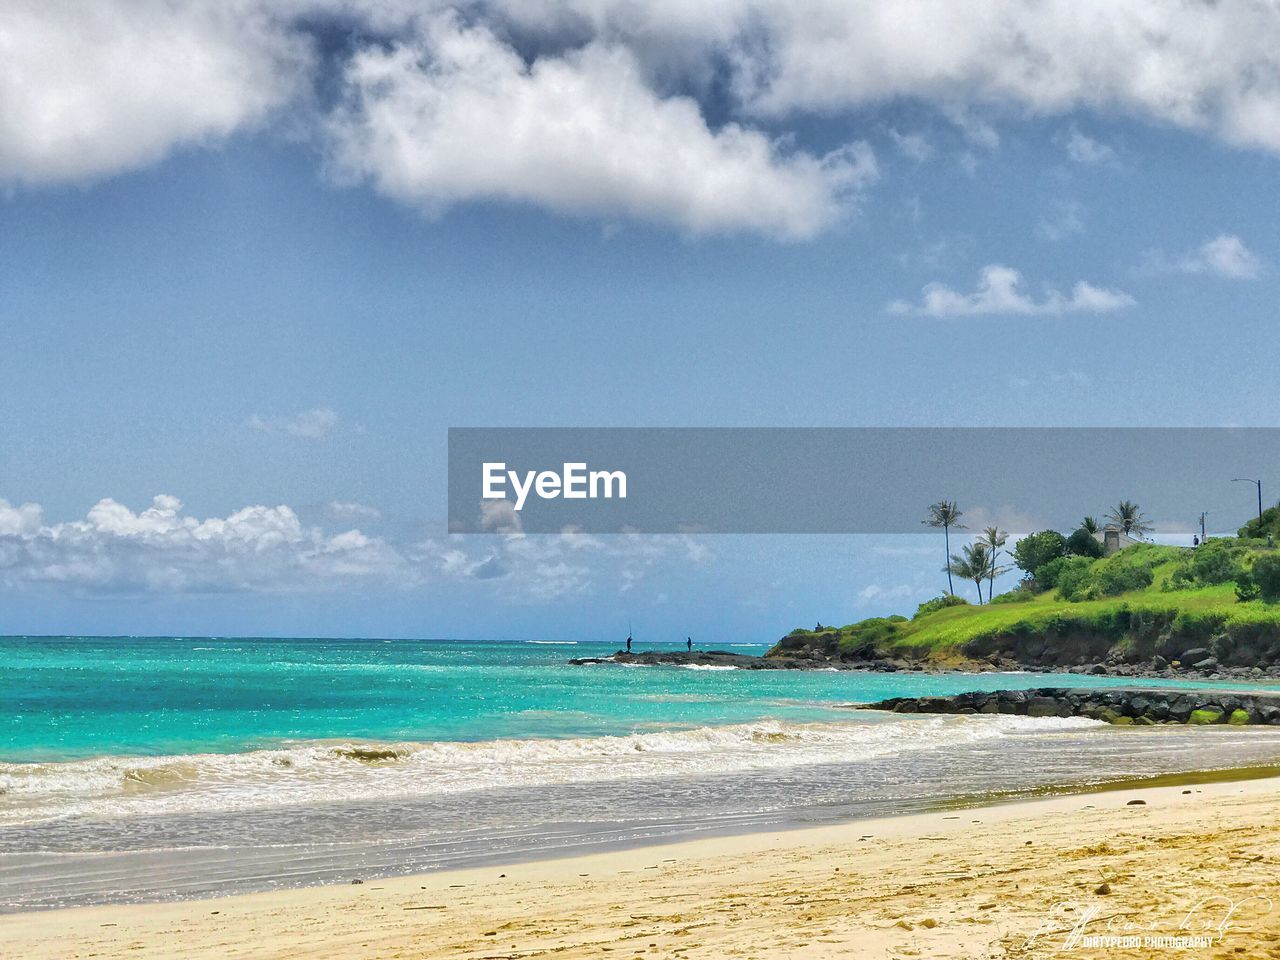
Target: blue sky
[(275, 276)]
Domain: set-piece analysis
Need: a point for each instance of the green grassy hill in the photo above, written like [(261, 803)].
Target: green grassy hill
[(1145, 602)]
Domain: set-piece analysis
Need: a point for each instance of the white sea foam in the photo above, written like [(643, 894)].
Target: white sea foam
[(323, 771), (708, 666)]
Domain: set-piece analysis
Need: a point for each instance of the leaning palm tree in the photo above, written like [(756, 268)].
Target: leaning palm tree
[(972, 563), (945, 514), (1128, 516), (993, 538), (1089, 525)]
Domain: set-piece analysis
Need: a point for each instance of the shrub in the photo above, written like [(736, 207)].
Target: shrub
[(1075, 577), (1110, 579), (1082, 543), (1246, 589), (1266, 574), (1035, 550), (1019, 594), (1217, 561), (1049, 575), (939, 603)]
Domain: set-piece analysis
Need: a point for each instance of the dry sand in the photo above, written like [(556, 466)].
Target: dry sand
[(968, 884)]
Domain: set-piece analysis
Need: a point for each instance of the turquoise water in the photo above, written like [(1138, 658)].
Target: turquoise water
[(64, 698), (151, 768)]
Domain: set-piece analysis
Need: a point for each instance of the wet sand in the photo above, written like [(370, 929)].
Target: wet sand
[(1030, 879)]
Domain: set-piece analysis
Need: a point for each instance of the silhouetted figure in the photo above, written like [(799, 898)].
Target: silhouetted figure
[(688, 644), (628, 644), (1195, 541)]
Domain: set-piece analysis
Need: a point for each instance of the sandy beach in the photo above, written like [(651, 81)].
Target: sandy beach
[(1028, 879)]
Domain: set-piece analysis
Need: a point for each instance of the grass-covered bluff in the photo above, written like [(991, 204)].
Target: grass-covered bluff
[(1169, 608)]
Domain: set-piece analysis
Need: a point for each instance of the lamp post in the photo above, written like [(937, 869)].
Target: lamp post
[(1258, 484)]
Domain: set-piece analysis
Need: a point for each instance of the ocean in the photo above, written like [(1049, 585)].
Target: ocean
[(135, 769)]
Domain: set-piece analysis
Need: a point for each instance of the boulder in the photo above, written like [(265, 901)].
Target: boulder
[(1207, 665), (1042, 707), (1238, 718), (1205, 716)]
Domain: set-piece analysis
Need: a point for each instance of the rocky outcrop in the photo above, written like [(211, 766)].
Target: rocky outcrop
[(711, 658), (1066, 656), (1136, 706)]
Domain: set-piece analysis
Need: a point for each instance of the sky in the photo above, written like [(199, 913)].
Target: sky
[(256, 258)]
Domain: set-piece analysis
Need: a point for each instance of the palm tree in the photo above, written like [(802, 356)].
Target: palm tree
[(1089, 525), (1129, 517), (945, 514), (972, 563), (993, 538)]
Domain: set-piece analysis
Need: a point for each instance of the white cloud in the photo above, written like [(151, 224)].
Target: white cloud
[(90, 89), (1209, 67), (350, 510), (595, 113), (1225, 256), (458, 115), (162, 550), (314, 424), (19, 521), (1085, 150), (261, 549), (999, 291)]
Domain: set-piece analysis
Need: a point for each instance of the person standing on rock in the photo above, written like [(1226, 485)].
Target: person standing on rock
[(688, 644), (628, 643)]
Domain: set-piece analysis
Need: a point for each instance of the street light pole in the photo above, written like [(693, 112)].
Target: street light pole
[(1257, 483)]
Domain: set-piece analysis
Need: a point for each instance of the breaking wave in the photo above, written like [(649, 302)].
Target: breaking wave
[(317, 771)]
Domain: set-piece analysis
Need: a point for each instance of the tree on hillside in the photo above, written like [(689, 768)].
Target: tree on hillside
[(945, 514), (972, 563), (1268, 523), (994, 538), (1036, 549), (1082, 543), (1089, 525), (1128, 516)]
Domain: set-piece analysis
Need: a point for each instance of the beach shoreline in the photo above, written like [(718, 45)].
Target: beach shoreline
[(978, 881)]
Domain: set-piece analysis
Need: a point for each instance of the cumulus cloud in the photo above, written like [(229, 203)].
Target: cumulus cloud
[(459, 115), (1202, 66), (261, 549), (161, 549), (90, 89), (592, 107), (314, 424), (1225, 256), (1000, 291)]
